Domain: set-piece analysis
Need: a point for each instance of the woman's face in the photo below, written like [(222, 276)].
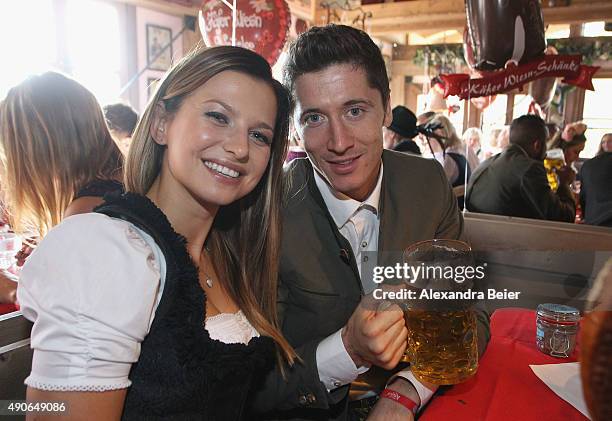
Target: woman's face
[(219, 140), (474, 141), (572, 153), (606, 143)]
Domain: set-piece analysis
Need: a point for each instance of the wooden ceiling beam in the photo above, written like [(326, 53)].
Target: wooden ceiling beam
[(163, 6), (418, 15)]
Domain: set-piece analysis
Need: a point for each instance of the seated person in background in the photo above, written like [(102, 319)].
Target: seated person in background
[(471, 137), (121, 120), (422, 120), (452, 152), (595, 188), (503, 139), (571, 141), (605, 145), (514, 183), (162, 303), (398, 136), (489, 146), (58, 157)]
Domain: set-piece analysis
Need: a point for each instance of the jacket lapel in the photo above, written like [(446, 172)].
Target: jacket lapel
[(395, 213), (344, 247)]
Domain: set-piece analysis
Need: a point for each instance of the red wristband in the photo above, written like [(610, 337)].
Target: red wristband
[(401, 399)]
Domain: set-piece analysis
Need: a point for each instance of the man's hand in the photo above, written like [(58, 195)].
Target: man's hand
[(566, 174), (376, 334), (386, 409)]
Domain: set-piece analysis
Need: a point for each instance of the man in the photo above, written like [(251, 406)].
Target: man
[(595, 191), (514, 183), (398, 136), (349, 206)]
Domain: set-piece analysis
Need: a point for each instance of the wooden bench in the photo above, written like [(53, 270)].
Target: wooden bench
[(546, 261), (15, 355)]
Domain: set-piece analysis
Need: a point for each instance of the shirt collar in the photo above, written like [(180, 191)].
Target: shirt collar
[(341, 207)]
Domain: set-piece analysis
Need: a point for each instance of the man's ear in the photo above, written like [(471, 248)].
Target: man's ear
[(537, 146), (388, 113), (159, 125)]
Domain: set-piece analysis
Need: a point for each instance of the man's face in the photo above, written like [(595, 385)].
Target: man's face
[(339, 118)]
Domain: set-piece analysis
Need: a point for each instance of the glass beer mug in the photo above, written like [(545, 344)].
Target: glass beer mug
[(442, 344), (555, 159)]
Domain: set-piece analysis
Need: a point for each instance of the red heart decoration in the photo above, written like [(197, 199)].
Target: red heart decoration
[(261, 25)]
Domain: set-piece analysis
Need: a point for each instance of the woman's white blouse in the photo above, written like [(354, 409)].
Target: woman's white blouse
[(91, 287)]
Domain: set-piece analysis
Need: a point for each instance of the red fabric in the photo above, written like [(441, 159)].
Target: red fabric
[(505, 388), (8, 308)]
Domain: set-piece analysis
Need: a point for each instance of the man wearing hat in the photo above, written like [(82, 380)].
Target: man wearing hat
[(398, 136)]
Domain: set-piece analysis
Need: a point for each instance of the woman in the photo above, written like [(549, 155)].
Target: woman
[(605, 145), (177, 285), (471, 137), (58, 157), (571, 141), (450, 151)]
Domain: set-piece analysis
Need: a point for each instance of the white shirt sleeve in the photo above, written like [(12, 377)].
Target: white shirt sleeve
[(91, 288), (424, 392), (336, 368)]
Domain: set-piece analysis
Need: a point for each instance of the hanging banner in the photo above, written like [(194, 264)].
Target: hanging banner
[(261, 25), (513, 77)]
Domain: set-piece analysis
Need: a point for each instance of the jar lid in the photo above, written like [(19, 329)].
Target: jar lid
[(558, 312)]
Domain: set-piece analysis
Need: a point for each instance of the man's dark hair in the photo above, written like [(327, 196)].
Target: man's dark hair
[(121, 118), (527, 128), (321, 47)]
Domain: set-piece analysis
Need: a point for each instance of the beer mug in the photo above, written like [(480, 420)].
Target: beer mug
[(555, 159), (442, 344)]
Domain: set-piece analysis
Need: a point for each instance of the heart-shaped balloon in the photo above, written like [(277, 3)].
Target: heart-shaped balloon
[(261, 25)]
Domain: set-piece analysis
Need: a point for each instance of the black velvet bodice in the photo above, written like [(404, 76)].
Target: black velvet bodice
[(183, 374)]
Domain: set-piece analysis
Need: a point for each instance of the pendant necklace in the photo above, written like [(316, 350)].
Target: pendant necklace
[(209, 279)]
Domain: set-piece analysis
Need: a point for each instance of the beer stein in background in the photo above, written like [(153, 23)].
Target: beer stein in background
[(10, 244), (554, 160), (442, 344)]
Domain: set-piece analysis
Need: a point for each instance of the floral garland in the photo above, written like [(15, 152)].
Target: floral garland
[(444, 55), (589, 50)]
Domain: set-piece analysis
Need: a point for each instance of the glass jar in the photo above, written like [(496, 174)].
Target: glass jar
[(556, 329)]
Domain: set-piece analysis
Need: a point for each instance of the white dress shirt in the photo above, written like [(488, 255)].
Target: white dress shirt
[(359, 223)]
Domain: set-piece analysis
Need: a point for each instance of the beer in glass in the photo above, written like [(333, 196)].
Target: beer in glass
[(442, 343), (554, 160)]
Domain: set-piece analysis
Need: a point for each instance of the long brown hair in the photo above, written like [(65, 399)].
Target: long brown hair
[(450, 135), (53, 141), (245, 237)]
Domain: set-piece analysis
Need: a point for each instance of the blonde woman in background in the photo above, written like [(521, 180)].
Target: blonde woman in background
[(56, 150), (450, 151), (57, 156), (472, 138), (490, 145)]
